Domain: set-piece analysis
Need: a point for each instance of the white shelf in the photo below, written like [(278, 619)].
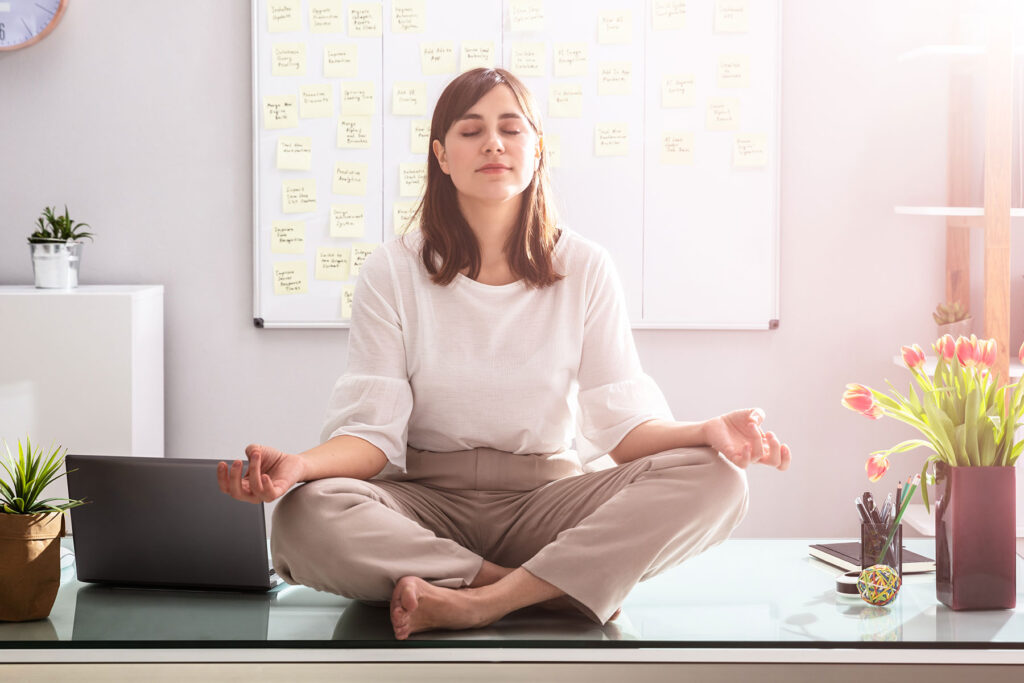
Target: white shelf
[(919, 519), (968, 211), (1016, 370)]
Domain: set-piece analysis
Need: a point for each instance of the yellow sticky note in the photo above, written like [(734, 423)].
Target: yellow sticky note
[(615, 78), (360, 252), (566, 101), (357, 98), (288, 59), (280, 111), (409, 98), (298, 196), (408, 16), (287, 237), (332, 263), (553, 149), (341, 61), (526, 15), (347, 220), (668, 14), (733, 71), (290, 277), (294, 153), (412, 179), (348, 295), (316, 101), (419, 136), (611, 139), (731, 16), (677, 148), (437, 57), (614, 26), (570, 59), (678, 90), (723, 113), (402, 216), (477, 54), (354, 132), (349, 178), (325, 16), (284, 16), (749, 151), (527, 59), (365, 19)]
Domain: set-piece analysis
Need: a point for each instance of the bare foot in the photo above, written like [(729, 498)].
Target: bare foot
[(420, 606)]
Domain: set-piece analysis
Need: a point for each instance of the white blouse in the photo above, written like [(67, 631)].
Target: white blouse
[(471, 365)]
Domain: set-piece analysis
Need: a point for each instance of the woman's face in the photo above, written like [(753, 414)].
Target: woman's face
[(492, 152)]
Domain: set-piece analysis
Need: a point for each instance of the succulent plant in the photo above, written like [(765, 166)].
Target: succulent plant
[(57, 228), (949, 312)]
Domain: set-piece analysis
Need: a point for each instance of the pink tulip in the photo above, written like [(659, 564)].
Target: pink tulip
[(1020, 353), (913, 356), (945, 346), (967, 351), (987, 353), (858, 398), (876, 466)]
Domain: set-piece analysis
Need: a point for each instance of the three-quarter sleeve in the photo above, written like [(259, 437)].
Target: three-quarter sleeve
[(615, 395), (373, 399)]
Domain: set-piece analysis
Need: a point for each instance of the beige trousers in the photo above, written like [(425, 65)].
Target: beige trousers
[(594, 535)]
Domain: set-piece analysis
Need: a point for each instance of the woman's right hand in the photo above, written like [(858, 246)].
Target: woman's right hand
[(271, 473)]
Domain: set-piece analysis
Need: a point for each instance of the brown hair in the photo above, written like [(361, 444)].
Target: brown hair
[(446, 233)]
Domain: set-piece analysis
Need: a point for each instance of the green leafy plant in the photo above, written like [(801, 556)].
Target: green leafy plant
[(58, 228), (949, 312), (28, 475)]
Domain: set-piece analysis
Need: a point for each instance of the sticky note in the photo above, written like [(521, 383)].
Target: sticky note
[(347, 220), (349, 178), (527, 59), (749, 151), (325, 16), (615, 78), (437, 57), (357, 98), (526, 15), (733, 71), (360, 252), (678, 90), (565, 101), (316, 101), (354, 132), (570, 59), (408, 16), (614, 26), (477, 54), (284, 16), (402, 215), (676, 148), (332, 263), (409, 98), (723, 113), (341, 61), (611, 139), (294, 153), (298, 196), (731, 16), (288, 59), (553, 149), (287, 237), (348, 295), (412, 179), (290, 277), (280, 111), (668, 14), (364, 19), (419, 136)]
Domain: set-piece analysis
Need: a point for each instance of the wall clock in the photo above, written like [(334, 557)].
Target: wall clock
[(26, 22)]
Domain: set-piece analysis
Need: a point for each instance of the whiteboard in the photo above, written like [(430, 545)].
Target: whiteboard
[(661, 125)]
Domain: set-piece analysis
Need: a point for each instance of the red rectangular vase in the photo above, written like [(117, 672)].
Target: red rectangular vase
[(975, 537)]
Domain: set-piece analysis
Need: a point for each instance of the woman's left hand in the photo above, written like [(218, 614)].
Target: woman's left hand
[(738, 436)]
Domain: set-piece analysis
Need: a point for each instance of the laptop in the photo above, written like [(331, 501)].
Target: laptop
[(164, 523)]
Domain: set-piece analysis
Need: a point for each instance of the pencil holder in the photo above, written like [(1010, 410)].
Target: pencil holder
[(873, 538)]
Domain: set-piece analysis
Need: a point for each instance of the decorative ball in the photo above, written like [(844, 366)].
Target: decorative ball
[(879, 584)]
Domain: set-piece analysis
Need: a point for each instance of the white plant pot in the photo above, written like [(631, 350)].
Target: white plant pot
[(55, 264), (961, 328)]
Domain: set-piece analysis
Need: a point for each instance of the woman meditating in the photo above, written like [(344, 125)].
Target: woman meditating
[(481, 344)]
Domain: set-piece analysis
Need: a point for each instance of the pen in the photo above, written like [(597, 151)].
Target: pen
[(865, 518)]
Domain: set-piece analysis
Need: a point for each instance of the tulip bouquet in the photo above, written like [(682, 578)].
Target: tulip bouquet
[(965, 417)]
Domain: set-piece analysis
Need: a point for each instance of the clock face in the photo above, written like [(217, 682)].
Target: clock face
[(24, 22)]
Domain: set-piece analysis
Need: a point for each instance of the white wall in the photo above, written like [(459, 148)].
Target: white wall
[(138, 116)]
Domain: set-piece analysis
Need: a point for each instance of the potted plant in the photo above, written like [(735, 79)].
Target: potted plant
[(57, 250), (952, 319), (30, 530), (969, 422)]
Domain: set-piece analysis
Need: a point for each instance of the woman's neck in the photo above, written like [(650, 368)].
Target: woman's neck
[(491, 223)]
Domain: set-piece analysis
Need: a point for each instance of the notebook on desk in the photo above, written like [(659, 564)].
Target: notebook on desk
[(847, 556), (164, 523)]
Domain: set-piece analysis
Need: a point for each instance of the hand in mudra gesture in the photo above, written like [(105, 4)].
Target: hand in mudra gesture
[(271, 473), (738, 436)]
